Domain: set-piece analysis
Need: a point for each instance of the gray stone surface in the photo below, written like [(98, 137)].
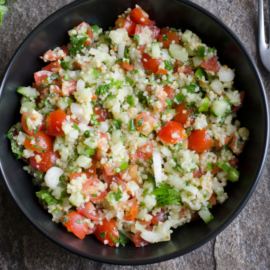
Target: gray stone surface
[(245, 244)]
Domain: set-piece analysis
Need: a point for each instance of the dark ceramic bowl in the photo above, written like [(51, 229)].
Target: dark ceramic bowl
[(183, 14)]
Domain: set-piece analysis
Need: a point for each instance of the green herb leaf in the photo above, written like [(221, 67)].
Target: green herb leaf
[(168, 65), (107, 41), (136, 38), (79, 221), (46, 197), (66, 219), (122, 240), (140, 122), (76, 127), (95, 28), (102, 89), (102, 235)]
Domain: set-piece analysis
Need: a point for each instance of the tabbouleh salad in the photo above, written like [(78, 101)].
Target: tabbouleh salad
[(130, 132)]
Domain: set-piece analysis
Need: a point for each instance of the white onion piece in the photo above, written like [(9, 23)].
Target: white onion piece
[(111, 214), (77, 110), (103, 127), (52, 177), (121, 49), (157, 166), (226, 74), (80, 85)]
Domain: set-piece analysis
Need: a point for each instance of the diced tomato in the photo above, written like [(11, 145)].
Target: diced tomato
[(98, 154), (89, 188), (101, 114), (165, 30), (168, 38), (236, 108), (74, 222), (158, 218), (161, 71), (147, 124), (143, 222), (88, 210), (199, 140), (53, 55), (130, 173), (41, 76), (141, 47), (197, 173), (54, 123), (42, 142), (169, 91), (93, 169), (216, 170), (68, 87), (141, 17), (110, 178), (144, 152), (138, 240), (234, 162), (195, 216), (80, 65), (73, 176), (183, 115), (211, 64), (129, 25), (183, 213), (53, 67), (155, 31), (227, 140), (126, 66), (109, 169), (64, 49), (44, 161), (179, 68), (25, 125), (150, 64), (172, 133), (89, 32), (106, 231), (212, 199), (138, 29), (131, 209), (161, 96)]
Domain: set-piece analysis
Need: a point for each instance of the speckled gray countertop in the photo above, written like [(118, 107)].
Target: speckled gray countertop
[(245, 244)]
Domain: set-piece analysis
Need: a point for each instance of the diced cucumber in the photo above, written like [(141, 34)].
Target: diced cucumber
[(199, 73), (178, 52), (186, 35), (204, 105), (28, 106), (117, 136), (85, 150), (155, 49), (76, 198), (57, 192), (197, 61), (219, 107), (190, 52), (64, 102), (91, 142), (66, 127), (109, 102), (64, 201), (205, 215), (28, 92), (219, 190), (84, 162)]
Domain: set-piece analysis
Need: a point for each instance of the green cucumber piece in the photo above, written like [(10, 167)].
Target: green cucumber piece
[(206, 215), (204, 106), (28, 91), (64, 102), (29, 106), (219, 108), (155, 49), (178, 52), (85, 150)]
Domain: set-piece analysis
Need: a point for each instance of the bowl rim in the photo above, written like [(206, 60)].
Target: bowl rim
[(225, 224)]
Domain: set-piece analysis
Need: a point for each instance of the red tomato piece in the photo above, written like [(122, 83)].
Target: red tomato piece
[(164, 30), (179, 68), (199, 140), (150, 64), (141, 17), (143, 222), (93, 169), (101, 114), (158, 218), (110, 178), (74, 222), (147, 124), (68, 87), (183, 115), (53, 67), (216, 170), (236, 108), (234, 162), (211, 64), (167, 39), (129, 25), (106, 231), (88, 211), (138, 240), (212, 199), (26, 127), (155, 31), (131, 208), (109, 170), (197, 173), (130, 173), (161, 71), (54, 123), (41, 76), (138, 29), (172, 133), (42, 142), (64, 49), (141, 47), (161, 98), (89, 32), (89, 188), (227, 140), (45, 161), (169, 91), (144, 152), (73, 176), (126, 66)]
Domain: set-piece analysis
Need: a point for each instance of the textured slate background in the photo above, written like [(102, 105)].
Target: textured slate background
[(245, 244)]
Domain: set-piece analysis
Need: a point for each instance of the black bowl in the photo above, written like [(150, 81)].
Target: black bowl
[(183, 14)]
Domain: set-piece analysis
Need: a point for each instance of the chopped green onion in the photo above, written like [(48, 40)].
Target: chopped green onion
[(132, 126)]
